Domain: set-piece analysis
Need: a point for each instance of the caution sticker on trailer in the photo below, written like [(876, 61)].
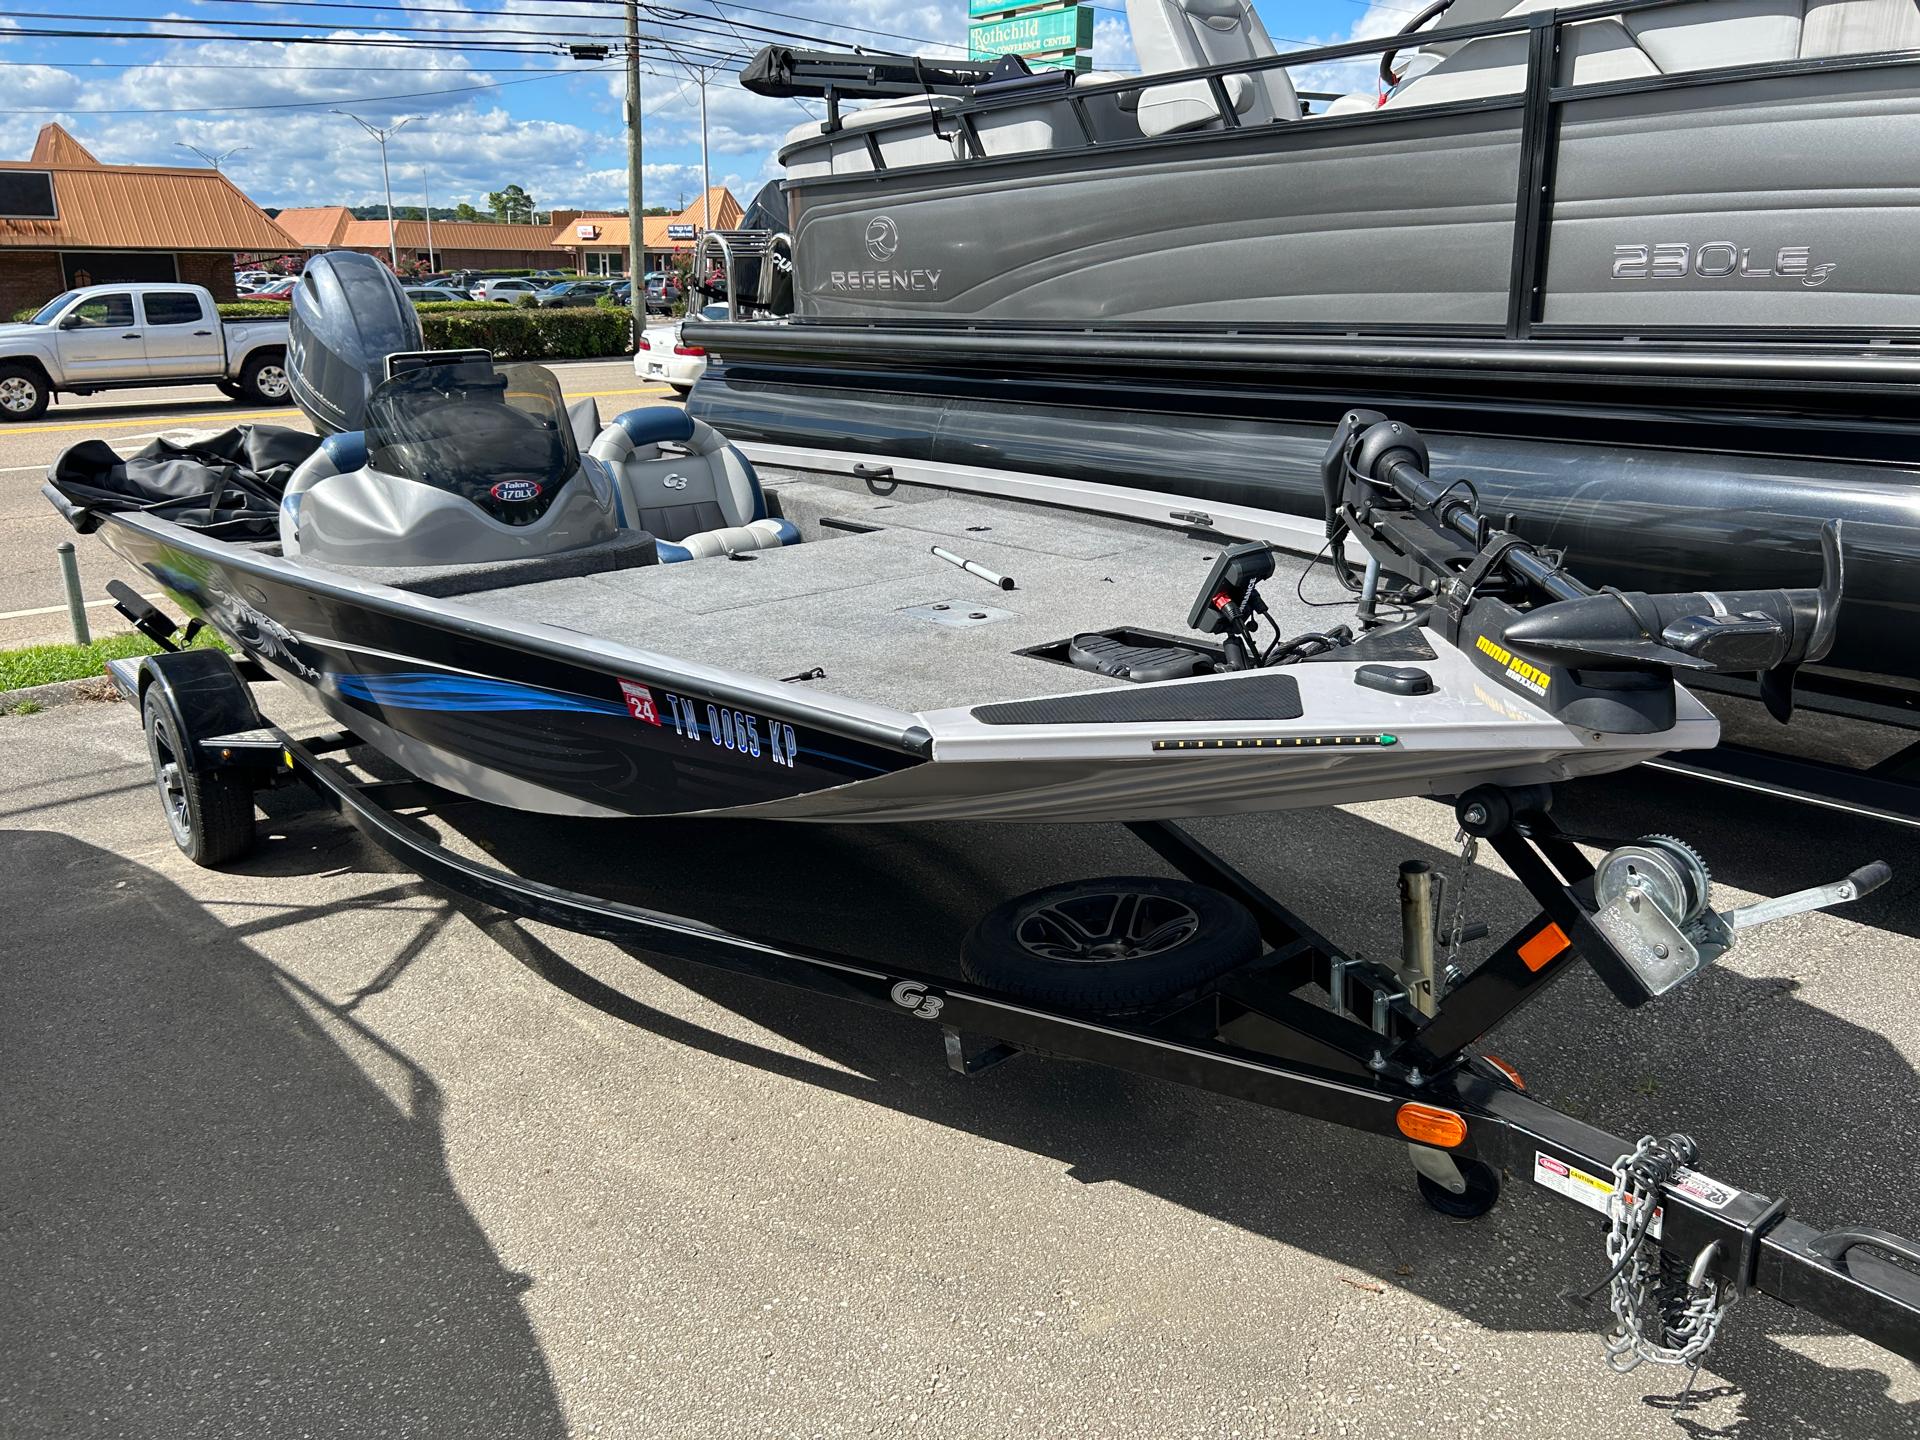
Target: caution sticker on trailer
[(1592, 1191)]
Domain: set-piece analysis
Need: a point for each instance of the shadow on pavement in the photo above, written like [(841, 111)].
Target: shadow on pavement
[(1734, 1060), (227, 1209)]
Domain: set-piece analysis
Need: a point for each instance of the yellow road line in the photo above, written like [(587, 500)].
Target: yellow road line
[(151, 422), (177, 422)]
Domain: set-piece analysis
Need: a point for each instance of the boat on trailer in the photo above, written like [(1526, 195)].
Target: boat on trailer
[(463, 570), (1637, 268)]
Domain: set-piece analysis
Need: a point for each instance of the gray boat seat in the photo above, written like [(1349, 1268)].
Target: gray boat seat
[(1709, 35), (679, 479), (1182, 34), (811, 149)]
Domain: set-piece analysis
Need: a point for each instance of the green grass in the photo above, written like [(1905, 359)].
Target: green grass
[(44, 664)]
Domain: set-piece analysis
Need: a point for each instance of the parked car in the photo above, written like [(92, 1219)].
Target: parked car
[(281, 289), (436, 293), (108, 337), (662, 358), (662, 294), (570, 293), (504, 288), (254, 279)]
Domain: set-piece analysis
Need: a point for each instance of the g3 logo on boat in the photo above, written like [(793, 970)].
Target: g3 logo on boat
[(912, 997)]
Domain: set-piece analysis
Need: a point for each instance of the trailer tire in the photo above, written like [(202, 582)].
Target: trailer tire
[(209, 812), (1113, 945), (1483, 1188), (24, 392)]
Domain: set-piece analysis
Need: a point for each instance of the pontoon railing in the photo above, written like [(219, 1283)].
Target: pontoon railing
[(1538, 97)]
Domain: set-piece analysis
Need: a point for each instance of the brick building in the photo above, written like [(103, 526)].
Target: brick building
[(68, 220), (457, 244), (596, 243)]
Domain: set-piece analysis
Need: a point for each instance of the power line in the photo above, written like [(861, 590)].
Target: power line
[(241, 65), (328, 101)]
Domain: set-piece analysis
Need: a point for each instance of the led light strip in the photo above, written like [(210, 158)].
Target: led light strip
[(1282, 742)]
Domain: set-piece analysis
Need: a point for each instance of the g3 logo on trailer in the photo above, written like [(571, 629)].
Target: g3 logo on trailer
[(1717, 260), (912, 997)]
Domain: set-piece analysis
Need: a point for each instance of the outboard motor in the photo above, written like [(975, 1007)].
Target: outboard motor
[(349, 314)]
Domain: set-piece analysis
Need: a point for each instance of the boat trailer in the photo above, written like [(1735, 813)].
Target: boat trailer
[(1304, 1026)]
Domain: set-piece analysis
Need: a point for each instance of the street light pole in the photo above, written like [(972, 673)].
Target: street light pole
[(382, 135), (706, 180), (214, 160)]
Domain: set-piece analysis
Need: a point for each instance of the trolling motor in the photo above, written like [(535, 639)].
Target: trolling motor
[(1603, 659)]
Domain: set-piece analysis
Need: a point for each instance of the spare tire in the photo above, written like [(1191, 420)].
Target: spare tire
[(1112, 945)]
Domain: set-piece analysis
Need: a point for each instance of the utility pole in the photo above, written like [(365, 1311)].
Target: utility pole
[(706, 180), (393, 244), (636, 222), (426, 192)]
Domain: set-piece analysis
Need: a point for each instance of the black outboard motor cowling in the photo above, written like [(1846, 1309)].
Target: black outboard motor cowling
[(349, 314)]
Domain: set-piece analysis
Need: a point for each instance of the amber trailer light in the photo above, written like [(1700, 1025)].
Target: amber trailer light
[(1430, 1125)]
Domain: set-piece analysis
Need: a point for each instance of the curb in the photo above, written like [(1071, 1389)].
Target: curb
[(87, 689)]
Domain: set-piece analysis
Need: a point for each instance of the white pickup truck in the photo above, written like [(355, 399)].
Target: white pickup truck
[(111, 337)]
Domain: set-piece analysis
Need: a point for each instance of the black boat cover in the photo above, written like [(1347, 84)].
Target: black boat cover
[(227, 484)]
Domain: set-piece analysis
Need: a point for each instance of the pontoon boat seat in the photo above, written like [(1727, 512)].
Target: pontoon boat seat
[(679, 479), (818, 151), (1182, 34), (1706, 36)]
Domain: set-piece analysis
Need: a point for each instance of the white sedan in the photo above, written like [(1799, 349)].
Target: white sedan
[(662, 358)]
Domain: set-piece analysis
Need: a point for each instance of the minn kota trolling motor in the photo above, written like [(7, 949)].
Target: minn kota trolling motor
[(1603, 659)]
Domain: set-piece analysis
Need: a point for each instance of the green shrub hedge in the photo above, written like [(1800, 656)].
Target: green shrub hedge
[(255, 309), (448, 307), (514, 334)]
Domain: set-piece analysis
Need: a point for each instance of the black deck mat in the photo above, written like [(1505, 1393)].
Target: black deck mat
[(1263, 695)]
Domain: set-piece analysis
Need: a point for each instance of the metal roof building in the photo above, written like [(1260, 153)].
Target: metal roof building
[(66, 219)]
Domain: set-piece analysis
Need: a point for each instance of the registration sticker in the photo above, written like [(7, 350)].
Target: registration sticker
[(1593, 1191), (640, 702)]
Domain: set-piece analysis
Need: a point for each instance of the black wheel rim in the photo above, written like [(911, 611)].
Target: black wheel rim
[(1098, 927), (171, 781)]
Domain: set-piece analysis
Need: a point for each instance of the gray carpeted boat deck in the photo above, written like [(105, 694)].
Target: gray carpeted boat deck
[(854, 605)]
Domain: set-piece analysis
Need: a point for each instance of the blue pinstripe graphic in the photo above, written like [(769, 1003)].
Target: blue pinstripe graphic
[(427, 690)]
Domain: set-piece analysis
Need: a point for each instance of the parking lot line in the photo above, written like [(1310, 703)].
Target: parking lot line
[(178, 422)]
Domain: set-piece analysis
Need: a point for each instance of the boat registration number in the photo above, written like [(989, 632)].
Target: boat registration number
[(736, 732)]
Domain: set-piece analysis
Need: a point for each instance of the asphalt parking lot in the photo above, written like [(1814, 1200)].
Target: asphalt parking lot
[(33, 606), (308, 1148)]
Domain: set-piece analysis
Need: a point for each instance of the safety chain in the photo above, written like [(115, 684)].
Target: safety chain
[(1469, 849), (1660, 1313)]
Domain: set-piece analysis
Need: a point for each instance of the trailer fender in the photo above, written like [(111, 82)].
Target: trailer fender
[(204, 690)]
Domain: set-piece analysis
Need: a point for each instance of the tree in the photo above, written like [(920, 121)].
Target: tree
[(512, 205), (464, 211)]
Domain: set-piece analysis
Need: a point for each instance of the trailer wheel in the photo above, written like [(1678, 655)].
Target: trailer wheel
[(209, 812), (1483, 1188), (1113, 945)]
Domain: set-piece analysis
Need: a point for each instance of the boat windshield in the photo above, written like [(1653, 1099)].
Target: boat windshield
[(495, 435)]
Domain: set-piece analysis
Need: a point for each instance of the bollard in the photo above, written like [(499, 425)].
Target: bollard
[(76, 607)]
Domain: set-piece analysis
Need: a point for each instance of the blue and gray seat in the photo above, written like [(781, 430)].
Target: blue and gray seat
[(679, 479)]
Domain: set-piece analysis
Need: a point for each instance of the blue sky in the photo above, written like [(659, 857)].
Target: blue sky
[(548, 123)]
